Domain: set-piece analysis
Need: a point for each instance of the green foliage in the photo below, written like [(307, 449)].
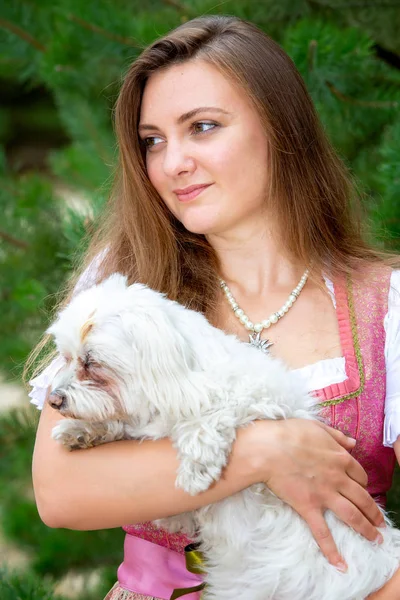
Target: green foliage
[(26, 586), (57, 155), (53, 552), (32, 268), (393, 505), (15, 585), (79, 51)]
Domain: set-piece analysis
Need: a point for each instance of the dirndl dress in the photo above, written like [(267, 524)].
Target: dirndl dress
[(355, 406), (157, 565), (118, 593)]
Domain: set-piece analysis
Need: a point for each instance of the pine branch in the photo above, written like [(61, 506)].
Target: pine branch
[(312, 48), (12, 240), (108, 34), (17, 424), (6, 60), (177, 5), (350, 100), (388, 56), (22, 34), (371, 4)]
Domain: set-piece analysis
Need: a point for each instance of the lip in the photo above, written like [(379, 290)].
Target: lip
[(190, 192)]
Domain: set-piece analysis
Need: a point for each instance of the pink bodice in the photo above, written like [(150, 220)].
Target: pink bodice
[(355, 406), (151, 533)]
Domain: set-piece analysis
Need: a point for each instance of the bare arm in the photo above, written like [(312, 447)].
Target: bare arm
[(118, 483), (390, 591), (123, 482)]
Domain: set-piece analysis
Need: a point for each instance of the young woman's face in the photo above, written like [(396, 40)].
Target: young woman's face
[(199, 129)]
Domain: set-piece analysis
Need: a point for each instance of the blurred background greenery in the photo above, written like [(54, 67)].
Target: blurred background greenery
[(61, 64)]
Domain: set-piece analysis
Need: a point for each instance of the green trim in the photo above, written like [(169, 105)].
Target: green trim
[(194, 564), (357, 350)]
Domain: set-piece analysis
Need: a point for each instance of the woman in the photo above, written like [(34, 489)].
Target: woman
[(225, 172)]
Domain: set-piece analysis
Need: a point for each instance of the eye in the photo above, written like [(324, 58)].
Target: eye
[(201, 123), (88, 361), (150, 142)]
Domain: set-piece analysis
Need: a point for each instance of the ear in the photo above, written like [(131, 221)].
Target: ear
[(165, 366), (159, 344), (162, 354)]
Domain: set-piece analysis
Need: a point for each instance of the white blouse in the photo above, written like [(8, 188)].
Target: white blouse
[(317, 375)]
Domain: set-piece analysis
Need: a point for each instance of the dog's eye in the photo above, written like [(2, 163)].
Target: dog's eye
[(88, 361)]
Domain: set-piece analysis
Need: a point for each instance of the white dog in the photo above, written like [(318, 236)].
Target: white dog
[(141, 366)]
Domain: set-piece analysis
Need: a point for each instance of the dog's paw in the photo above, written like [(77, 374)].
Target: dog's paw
[(194, 477), (73, 434), (203, 448)]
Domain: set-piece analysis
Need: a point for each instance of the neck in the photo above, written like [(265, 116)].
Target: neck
[(252, 262)]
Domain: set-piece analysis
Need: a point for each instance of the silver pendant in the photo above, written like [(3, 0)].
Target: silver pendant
[(262, 345)]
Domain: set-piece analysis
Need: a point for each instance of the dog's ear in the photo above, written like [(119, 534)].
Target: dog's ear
[(163, 364), (158, 341)]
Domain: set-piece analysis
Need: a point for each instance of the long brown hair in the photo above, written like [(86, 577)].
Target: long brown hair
[(315, 203)]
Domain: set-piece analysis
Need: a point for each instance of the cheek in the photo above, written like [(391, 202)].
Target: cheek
[(240, 162), (246, 164), (100, 378), (154, 171), (81, 374), (96, 376), (160, 182), (107, 382)]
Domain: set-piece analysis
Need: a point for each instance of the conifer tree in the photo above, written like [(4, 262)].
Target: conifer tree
[(72, 55)]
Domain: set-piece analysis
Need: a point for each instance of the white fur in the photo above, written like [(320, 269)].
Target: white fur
[(169, 373)]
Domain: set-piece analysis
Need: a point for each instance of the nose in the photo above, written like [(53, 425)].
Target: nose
[(58, 399), (177, 160)]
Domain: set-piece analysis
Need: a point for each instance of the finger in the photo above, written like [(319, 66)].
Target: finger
[(353, 468), (362, 500), (345, 441), (356, 471), (347, 512), (324, 539)]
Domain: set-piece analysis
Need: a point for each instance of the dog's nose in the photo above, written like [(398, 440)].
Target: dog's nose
[(58, 399)]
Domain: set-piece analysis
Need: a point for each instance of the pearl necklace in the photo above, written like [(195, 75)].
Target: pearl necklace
[(257, 328)]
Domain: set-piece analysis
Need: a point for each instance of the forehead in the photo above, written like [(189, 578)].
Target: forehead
[(181, 88)]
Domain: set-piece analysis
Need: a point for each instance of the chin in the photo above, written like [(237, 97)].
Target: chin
[(200, 229), (203, 225)]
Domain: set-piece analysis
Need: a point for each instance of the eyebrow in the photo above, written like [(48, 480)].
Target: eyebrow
[(186, 116)]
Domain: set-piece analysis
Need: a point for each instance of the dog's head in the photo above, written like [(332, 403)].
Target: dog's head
[(123, 352)]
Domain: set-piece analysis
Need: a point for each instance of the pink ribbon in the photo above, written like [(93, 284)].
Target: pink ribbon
[(153, 570)]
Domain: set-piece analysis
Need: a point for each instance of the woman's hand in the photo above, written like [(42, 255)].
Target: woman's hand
[(307, 464)]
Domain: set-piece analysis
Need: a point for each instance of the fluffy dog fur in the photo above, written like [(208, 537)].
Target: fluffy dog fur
[(140, 366)]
